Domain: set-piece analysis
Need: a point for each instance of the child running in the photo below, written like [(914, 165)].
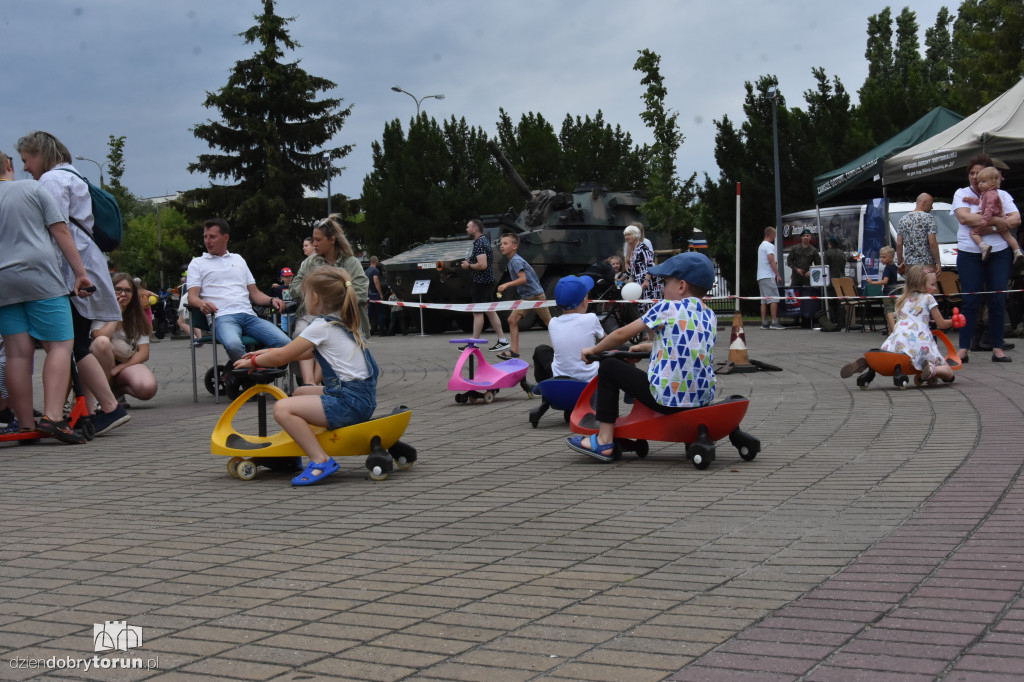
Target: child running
[(912, 335), (992, 207), (349, 392), (681, 374)]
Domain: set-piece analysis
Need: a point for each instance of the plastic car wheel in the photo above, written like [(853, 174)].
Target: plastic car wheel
[(378, 474), (748, 446), (702, 450), (402, 454), (246, 470), (233, 466), (700, 456), (642, 448), (488, 397)]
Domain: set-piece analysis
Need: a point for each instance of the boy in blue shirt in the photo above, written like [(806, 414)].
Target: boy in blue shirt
[(681, 374), (524, 278)]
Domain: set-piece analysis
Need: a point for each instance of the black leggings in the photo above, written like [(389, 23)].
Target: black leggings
[(83, 334), (615, 375)]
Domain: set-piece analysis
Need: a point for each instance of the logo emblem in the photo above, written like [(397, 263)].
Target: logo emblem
[(116, 635)]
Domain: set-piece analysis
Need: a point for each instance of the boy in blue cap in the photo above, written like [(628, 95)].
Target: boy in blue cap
[(571, 332), (681, 374)]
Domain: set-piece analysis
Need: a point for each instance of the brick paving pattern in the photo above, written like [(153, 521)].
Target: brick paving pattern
[(876, 536)]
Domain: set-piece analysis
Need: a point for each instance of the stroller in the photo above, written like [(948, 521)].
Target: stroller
[(607, 288)]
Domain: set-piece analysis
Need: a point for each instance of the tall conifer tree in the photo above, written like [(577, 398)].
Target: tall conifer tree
[(270, 136)]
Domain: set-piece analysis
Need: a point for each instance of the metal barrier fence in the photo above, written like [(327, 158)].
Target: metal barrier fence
[(720, 302)]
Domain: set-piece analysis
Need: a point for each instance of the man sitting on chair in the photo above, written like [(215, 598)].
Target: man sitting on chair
[(220, 282)]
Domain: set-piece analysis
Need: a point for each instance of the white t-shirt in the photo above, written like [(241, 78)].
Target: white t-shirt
[(120, 334), (963, 235), (570, 334), (222, 280), (764, 268), (74, 201), (339, 350)]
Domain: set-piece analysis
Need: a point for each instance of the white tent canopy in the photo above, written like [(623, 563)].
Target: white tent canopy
[(996, 129)]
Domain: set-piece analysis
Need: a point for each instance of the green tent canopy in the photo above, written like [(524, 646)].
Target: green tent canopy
[(857, 178)]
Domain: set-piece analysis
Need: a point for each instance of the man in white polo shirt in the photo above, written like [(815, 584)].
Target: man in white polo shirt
[(220, 282)]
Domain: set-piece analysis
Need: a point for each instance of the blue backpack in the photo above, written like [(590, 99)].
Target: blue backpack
[(107, 227)]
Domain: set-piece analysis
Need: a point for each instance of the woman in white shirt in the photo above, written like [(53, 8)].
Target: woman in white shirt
[(122, 347), (990, 274)]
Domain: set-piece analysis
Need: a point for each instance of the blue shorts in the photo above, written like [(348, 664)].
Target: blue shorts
[(349, 403), (45, 320)]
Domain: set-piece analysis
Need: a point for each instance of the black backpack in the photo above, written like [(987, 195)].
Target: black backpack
[(108, 227)]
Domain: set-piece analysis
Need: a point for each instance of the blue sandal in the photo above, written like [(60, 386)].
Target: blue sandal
[(308, 478), (605, 453)]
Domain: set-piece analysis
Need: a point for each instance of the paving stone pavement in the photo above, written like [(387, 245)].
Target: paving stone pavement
[(877, 536)]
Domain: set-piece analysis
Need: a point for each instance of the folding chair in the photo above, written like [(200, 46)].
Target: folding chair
[(845, 287), (870, 305)]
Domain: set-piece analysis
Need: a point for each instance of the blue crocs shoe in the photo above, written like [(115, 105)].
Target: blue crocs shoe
[(307, 477), (604, 453)]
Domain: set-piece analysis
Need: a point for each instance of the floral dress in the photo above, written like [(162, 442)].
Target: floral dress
[(642, 260), (912, 336)]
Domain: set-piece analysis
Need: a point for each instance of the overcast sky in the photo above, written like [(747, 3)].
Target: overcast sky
[(87, 70)]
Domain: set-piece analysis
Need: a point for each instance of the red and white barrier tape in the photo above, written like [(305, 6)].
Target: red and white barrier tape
[(530, 305)]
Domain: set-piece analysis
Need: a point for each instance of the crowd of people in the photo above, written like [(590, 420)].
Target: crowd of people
[(67, 300)]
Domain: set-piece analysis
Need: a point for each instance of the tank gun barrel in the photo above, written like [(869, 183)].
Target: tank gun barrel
[(510, 172)]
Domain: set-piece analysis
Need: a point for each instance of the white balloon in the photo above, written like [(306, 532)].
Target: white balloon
[(632, 291)]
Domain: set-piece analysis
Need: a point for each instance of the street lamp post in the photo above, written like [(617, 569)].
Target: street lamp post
[(418, 101), (773, 95), (327, 160), (98, 165)]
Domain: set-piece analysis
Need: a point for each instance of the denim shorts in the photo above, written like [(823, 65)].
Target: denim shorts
[(348, 403), (46, 320)]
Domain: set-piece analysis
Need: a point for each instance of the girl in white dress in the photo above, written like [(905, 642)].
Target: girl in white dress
[(912, 334)]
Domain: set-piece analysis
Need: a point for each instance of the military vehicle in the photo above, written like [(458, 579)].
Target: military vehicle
[(560, 233)]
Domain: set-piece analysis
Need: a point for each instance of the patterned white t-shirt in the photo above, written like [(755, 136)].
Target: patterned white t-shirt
[(682, 371)]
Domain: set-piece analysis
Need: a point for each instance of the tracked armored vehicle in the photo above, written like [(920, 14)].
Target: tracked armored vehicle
[(560, 233)]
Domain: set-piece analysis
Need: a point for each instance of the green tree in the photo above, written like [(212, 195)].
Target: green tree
[(828, 127), (130, 204), (532, 148), (428, 183), (938, 60), (271, 136), (745, 155), (476, 183), (895, 93), (155, 246), (669, 199), (987, 51), (115, 160), (595, 152)]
